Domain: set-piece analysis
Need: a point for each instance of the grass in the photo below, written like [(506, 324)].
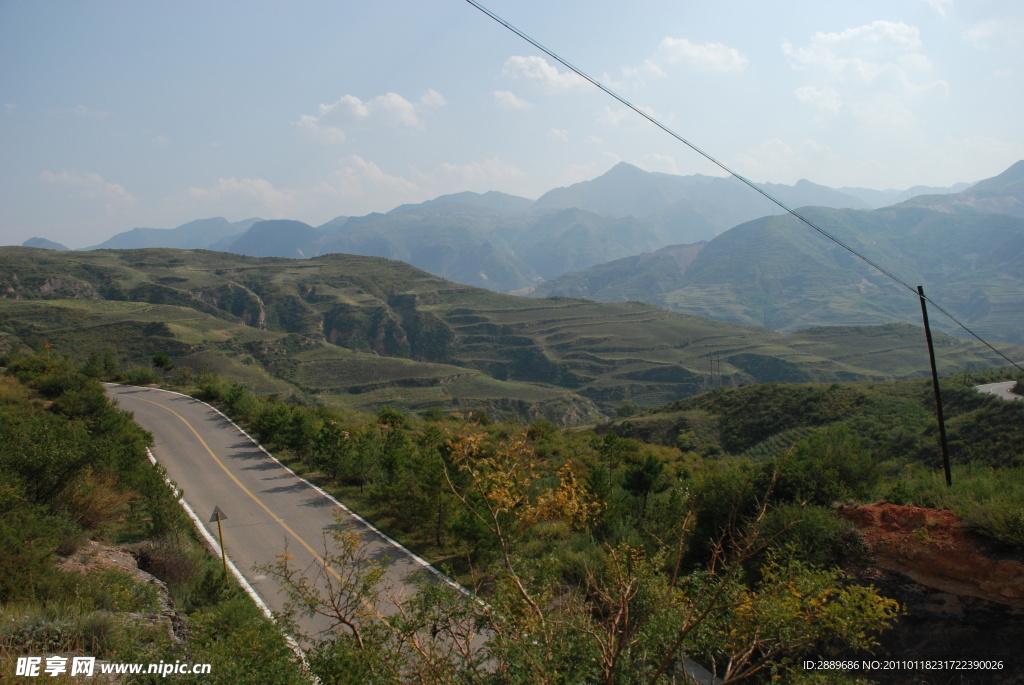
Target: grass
[(238, 369), (989, 500)]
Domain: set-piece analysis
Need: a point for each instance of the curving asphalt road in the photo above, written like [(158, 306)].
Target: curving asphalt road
[(267, 506), (1000, 390)]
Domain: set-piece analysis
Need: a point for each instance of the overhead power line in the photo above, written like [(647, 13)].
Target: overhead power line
[(597, 84)]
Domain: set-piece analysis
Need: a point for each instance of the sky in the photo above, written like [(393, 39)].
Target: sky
[(117, 114)]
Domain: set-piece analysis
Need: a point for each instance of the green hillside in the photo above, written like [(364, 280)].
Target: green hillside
[(362, 332), (777, 272)]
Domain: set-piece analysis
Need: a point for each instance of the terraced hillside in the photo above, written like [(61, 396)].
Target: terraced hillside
[(964, 248), (362, 332)]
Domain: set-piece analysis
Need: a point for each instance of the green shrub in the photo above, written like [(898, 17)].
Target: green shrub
[(812, 534), (827, 466), (118, 590), (433, 414), (245, 646), (725, 497), (141, 375), (28, 539), (33, 628)]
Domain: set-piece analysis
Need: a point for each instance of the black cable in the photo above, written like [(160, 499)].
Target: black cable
[(723, 167)]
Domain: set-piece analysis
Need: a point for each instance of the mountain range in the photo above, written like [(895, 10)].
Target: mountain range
[(966, 249), (698, 244), (506, 243)]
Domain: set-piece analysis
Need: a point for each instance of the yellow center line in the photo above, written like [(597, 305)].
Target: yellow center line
[(245, 489)]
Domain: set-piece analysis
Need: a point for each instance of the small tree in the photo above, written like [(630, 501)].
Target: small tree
[(640, 480), (162, 362)]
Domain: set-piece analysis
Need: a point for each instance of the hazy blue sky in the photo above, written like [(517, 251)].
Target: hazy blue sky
[(119, 114)]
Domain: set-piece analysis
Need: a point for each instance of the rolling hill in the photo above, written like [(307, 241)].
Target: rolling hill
[(362, 332)]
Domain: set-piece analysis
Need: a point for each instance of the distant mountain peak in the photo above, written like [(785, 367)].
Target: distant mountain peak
[(1012, 176), (44, 244), (198, 234), (275, 238), (625, 168), (492, 200), (1002, 194)]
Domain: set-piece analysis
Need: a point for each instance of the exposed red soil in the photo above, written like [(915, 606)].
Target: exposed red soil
[(933, 548), (958, 601)]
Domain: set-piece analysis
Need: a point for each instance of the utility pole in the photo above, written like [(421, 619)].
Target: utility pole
[(935, 386), (714, 359)]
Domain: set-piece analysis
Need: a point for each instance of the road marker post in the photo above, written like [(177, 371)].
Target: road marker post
[(219, 516)]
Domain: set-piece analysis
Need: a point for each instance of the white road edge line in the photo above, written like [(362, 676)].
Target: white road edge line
[(422, 562), (215, 546)]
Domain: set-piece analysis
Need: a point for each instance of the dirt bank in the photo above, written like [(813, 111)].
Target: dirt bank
[(960, 600)]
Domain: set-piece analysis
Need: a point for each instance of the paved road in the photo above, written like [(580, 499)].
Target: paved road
[(267, 506), (1000, 390), (216, 465)]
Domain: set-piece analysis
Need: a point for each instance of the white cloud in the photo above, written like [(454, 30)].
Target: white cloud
[(874, 73), (994, 34), (359, 186), (671, 51), (256, 193), (536, 70), (356, 187), (929, 161), (649, 69), (432, 100), (506, 99), (942, 7), (365, 187), (161, 141), (388, 110), (475, 175), (10, 107), (657, 162), (861, 53), (623, 115), (703, 56), (826, 100), (613, 117), (313, 128), (558, 135), (884, 113), (777, 161), (92, 186)]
